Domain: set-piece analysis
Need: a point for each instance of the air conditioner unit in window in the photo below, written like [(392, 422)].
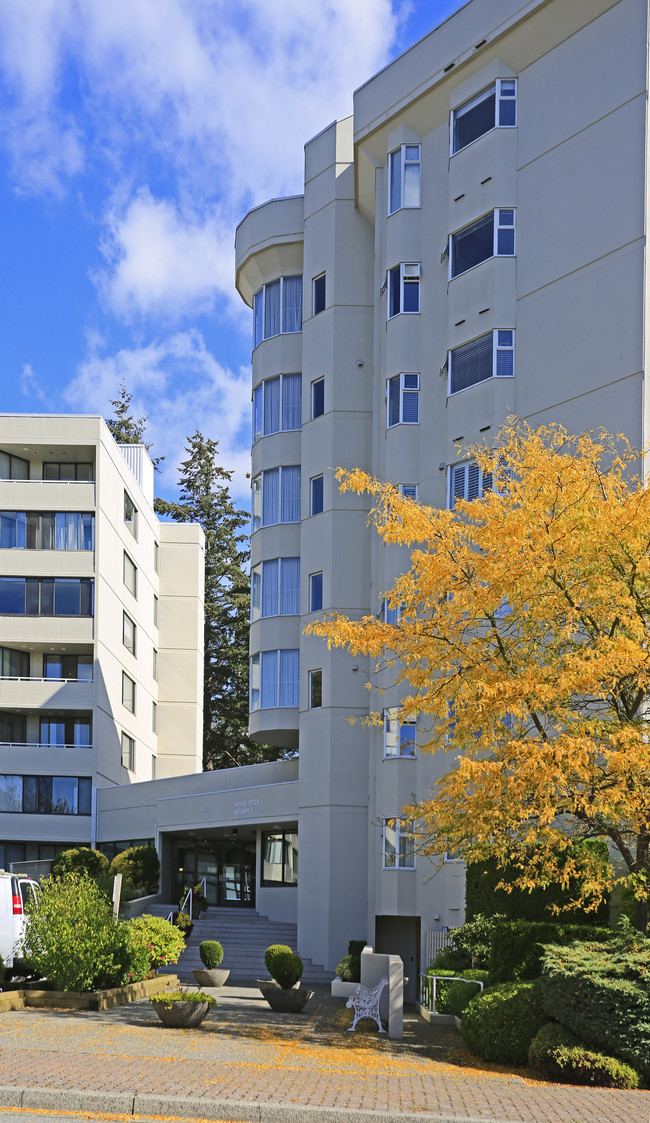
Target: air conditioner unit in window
[(412, 269)]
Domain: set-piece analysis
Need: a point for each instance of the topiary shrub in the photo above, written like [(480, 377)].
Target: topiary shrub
[(349, 969), (283, 965), (557, 1055), (80, 859), (162, 940), (461, 994), (516, 947), (72, 937), (211, 953), (501, 1023), (140, 869)]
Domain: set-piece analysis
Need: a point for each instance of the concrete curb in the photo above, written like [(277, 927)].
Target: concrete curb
[(235, 1111)]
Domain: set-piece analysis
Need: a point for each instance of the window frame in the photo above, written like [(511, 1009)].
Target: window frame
[(282, 310), (316, 591), (402, 828), (318, 298), (277, 685), (403, 391), (412, 487), (498, 348), (485, 482), (130, 521), (259, 593), (262, 389), (127, 561), (393, 736), (406, 282), (131, 645), (500, 97), (320, 382), (314, 509), (128, 751), (404, 163), (125, 693), (315, 689), (270, 883), (290, 499), (499, 227)]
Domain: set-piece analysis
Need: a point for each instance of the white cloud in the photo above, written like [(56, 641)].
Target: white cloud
[(173, 380), (30, 385)]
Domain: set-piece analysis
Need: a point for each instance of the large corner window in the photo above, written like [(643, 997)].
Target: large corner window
[(13, 467), (274, 679), (489, 356), (279, 858), (399, 736), (399, 844), (404, 288), (61, 530), (403, 400), (468, 481), (275, 588), (277, 405), (45, 795), (46, 596), (490, 236), (276, 496), (493, 108), (404, 177), (277, 308)]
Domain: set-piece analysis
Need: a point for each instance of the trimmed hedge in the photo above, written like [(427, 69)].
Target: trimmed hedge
[(349, 967), (442, 988), (601, 993), (461, 994), (140, 869), (556, 1054), (482, 896), (516, 951), (500, 1023)]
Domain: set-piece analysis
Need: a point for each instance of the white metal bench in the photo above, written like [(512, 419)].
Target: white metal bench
[(365, 1003)]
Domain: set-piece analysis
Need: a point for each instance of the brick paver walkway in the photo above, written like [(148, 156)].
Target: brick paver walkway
[(244, 1052)]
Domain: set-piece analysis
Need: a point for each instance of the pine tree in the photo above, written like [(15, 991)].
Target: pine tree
[(205, 499), (127, 429)]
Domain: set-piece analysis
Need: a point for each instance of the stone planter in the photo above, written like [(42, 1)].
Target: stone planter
[(210, 976), (181, 1015), (285, 1001)]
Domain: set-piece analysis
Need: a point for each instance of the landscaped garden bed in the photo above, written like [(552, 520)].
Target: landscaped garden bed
[(86, 1000)]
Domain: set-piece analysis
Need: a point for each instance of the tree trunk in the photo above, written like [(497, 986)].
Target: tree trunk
[(641, 915)]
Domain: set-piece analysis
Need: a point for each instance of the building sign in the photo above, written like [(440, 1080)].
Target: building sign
[(246, 806)]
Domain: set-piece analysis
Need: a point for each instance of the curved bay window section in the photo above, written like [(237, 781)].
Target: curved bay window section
[(275, 588), (51, 530), (277, 405), (277, 308), (274, 679), (276, 496)]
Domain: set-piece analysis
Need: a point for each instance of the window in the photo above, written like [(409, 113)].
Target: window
[(402, 394), (404, 288), (318, 294), (390, 615), (399, 844), (130, 514), (491, 236), (65, 732), (61, 530), (494, 108), (12, 852), (468, 481), (128, 692), (276, 496), (13, 467), (315, 592), (79, 473), (46, 596), (275, 588), (128, 752), (130, 575), (45, 795), (156, 557), (128, 633), (399, 736), (318, 398), (316, 495), (315, 690), (277, 308), (279, 858), (274, 679), (404, 177), (13, 728), (13, 663), (154, 664), (277, 405), (409, 491), (154, 717), (71, 668), (155, 611), (490, 356)]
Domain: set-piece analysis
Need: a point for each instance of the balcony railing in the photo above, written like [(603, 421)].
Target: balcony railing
[(36, 678), (38, 745)]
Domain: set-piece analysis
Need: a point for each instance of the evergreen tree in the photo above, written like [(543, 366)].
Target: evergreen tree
[(127, 429), (205, 499)]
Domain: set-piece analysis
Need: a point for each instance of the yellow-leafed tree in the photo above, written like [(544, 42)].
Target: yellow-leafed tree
[(523, 641)]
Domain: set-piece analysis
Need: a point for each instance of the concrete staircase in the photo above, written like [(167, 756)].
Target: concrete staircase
[(244, 936)]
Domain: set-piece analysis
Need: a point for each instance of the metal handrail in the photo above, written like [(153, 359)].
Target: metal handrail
[(41, 678), (428, 991), (38, 745), (187, 899)]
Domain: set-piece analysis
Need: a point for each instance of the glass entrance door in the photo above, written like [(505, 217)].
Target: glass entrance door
[(228, 869)]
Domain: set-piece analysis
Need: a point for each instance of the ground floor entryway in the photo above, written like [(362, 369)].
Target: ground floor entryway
[(228, 866)]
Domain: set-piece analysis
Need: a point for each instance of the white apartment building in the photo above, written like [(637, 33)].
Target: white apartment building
[(101, 631), (469, 244)]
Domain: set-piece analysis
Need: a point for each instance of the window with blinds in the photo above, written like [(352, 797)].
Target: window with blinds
[(490, 356), (468, 481)]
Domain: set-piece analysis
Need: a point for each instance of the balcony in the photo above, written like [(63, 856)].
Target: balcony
[(47, 495), (42, 693)]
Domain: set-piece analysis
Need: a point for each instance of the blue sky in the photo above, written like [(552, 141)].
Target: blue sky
[(134, 135)]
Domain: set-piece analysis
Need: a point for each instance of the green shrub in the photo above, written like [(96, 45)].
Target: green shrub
[(442, 987), (73, 940), (355, 947), (166, 997), (284, 965), (501, 1023), (450, 959), (461, 994), (516, 947), (271, 952), (473, 939), (211, 953), (163, 941), (482, 897), (349, 969), (601, 994), (80, 859), (140, 869), (183, 920), (556, 1054)]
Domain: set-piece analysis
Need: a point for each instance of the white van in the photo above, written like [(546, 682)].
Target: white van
[(15, 891)]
